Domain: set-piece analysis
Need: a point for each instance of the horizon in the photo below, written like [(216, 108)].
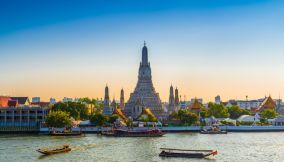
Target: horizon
[(232, 49)]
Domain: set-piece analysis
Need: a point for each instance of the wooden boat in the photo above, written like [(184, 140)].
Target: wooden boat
[(127, 133), (168, 152), (65, 133), (54, 150)]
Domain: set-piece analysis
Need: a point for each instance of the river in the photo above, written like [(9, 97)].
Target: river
[(237, 147)]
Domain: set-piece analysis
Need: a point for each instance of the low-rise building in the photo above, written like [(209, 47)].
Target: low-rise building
[(22, 116)]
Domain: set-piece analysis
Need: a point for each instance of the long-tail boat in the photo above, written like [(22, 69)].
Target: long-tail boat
[(131, 133), (65, 133), (54, 150), (169, 152)]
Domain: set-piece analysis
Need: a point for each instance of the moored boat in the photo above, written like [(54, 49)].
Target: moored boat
[(213, 130), (169, 152), (54, 150), (131, 133), (65, 133)]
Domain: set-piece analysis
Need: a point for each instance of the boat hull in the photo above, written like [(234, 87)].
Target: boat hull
[(54, 151), (212, 132), (184, 155), (133, 135), (65, 134), (124, 133)]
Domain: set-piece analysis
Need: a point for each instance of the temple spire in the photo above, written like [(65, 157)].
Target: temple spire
[(144, 54), (122, 99)]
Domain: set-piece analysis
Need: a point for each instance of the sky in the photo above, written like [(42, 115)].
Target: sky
[(205, 48)]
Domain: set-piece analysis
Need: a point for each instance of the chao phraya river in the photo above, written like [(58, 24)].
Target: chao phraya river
[(238, 147)]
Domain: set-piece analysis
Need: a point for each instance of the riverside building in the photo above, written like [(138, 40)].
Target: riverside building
[(16, 112)]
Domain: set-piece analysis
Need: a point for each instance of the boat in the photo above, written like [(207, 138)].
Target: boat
[(169, 152), (132, 133), (65, 133), (213, 130), (54, 150)]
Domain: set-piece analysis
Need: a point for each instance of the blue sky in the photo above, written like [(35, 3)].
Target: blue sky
[(57, 48)]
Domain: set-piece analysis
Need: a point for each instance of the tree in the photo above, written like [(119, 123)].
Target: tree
[(173, 115), (94, 104), (235, 112), (77, 110), (181, 113), (203, 112), (98, 119), (217, 110), (112, 118), (186, 117), (58, 119), (189, 118), (268, 114)]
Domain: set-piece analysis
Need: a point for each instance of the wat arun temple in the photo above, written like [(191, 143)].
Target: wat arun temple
[(143, 97), (144, 94)]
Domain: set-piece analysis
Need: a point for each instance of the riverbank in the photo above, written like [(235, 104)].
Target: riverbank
[(192, 129), (183, 129)]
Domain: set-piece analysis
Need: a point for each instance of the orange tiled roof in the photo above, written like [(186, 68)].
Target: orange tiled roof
[(268, 103), (195, 105), (4, 101)]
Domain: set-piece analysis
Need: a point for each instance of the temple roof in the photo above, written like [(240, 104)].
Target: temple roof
[(118, 112), (268, 103), (195, 105), (4, 101), (146, 111), (21, 100), (12, 103)]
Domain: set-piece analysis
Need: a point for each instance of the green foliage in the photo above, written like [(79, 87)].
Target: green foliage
[(186, 117), (173, 115), (58, 119), (268, 114), (227, 123), (112, 118), (96, 106), (203, 112), (149, 118), (217, 110), (77, 110), (129, 122), (235, 112), (99, 119)]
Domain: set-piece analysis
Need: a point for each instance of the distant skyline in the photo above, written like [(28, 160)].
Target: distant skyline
[(205, 48)]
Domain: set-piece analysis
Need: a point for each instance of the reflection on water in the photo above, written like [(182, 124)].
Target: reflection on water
[(231, 147)]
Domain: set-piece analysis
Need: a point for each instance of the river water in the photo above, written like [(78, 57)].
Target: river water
[(237, 147)]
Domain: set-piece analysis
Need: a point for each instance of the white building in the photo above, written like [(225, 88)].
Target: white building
[(66, 99), (52, 100), (218, 99), (35, 99)]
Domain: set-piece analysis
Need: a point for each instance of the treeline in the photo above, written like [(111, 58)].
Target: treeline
[(187, 117)]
